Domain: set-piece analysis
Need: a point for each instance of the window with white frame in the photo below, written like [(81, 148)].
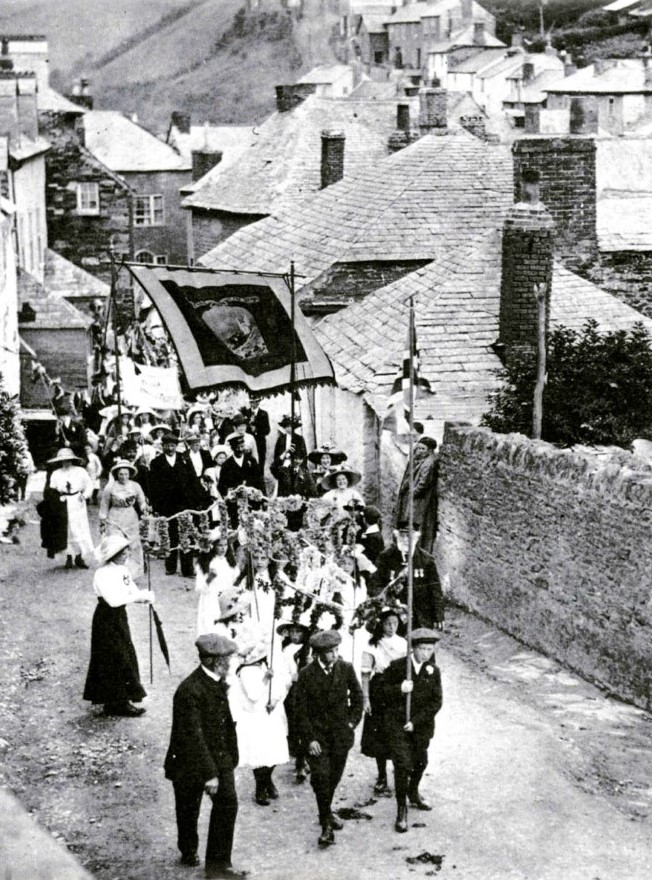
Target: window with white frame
[(88, 198), (148, 210)]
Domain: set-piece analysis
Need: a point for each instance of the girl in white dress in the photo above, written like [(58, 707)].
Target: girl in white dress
[(213, 574)]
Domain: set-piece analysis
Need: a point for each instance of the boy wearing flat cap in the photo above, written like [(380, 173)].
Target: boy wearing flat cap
[(328, 709), (408, 739), (202, 756)]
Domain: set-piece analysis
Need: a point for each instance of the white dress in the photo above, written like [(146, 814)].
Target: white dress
[(221, 575), (76, 488), (262, 735)]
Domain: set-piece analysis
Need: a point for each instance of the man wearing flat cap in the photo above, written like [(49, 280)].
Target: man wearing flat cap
[(328, 709), (408, 738), (202, 756)]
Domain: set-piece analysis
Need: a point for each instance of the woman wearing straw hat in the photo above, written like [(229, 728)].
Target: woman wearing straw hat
[(121, 506), (75, 487), (113, 676), (339, 485), (325, 459), (260, 719)]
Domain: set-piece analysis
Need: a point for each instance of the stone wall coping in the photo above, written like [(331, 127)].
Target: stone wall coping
[(600, 470)]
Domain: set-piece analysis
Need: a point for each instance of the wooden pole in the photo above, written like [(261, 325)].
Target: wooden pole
[(293, 377), (540, 292), (151, 616), (271, 659), (408, 701), (116, 348)]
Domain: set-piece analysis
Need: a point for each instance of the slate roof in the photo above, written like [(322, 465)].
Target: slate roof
[(410, 14), (284, 160), (52, 311), (624, 222), (625, 76), (124, 146), (480, 61), (325, 73), (65, 279), (51, 101), (374, 24), (401, 208), (465, 37), (230, 140), (456, 300)]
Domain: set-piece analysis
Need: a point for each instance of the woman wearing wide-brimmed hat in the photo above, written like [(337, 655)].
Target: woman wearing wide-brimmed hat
[(122, 504), (113, 677), (384, 646), (71, 481), (324, 459), (339, 485)]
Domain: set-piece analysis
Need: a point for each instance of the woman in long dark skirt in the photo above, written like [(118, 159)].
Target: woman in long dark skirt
[(384, 647), (113, 676)]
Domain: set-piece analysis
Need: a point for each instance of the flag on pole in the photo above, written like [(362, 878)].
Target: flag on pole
[(397, 417)]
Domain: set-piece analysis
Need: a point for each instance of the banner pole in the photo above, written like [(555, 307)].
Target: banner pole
[(408, 702), (293, 370), (116, 348)]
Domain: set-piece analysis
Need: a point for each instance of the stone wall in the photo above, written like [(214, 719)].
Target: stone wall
[(210, 228), (554, 547)]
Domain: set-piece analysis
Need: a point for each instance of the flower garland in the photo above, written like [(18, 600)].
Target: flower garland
[(320, 608)]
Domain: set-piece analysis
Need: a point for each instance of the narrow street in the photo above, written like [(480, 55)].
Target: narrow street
[(534, 774)]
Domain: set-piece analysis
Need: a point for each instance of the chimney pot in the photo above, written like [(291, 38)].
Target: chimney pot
[(290, 96), (479, 34), (332, 157)]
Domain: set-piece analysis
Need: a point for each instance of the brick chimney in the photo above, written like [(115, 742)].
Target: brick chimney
[(433, 111), (203, 161), (396, 141), (27, 110), (289, 97), (181, 120), (527, 260), (332, 157), (566, 166), (479, 33)]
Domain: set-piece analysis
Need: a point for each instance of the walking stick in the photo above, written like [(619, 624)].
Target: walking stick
[(271, 659), (150, 615)]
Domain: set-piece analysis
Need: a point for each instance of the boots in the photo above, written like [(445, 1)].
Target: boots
[(68, 562), (261, 797), (401, 819), (381, 783), (326, 838), (417, 801), (272, 791), (79, 562)]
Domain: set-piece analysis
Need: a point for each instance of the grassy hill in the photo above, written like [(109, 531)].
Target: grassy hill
[(210, 57)]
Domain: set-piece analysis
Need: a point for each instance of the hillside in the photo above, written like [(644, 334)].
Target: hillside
[(210, 57)]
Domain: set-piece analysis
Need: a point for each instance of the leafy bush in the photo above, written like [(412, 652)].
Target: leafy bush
[(598, 388), (13, 447)]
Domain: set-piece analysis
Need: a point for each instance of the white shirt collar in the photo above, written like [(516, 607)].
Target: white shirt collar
[(211, 674), (171, 458)]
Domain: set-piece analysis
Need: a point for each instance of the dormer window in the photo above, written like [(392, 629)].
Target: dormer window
[(88, 198)]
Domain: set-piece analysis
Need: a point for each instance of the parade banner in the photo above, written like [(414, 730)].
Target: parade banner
[(235, 329), (153, 387)]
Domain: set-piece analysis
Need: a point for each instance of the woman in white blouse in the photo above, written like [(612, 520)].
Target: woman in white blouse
[(113, 676)]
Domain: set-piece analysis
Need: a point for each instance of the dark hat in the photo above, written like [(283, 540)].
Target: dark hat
[(283, 628), (354, 506), (430, 442), (239, 419), (425, 636), (397, 610), (372, 514), (337, 456), (324, 640), (403, 525), (214, 645), (286, 421), (328, 481), (169, 438)]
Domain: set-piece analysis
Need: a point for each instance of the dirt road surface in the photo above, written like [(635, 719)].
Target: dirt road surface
[(534, 774)]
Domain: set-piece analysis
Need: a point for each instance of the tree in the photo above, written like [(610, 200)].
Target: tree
[(13, 447), (598, 388)]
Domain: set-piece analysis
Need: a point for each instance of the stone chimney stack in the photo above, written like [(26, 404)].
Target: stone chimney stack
[(290, 96), (517, 39), (566, 168), (332, 157), (433, 111), (584, 115), (479, 33), (403, 117), (181, 121), (527, 260), (81, 94), (203, 161), (532, 123), (27, 110), (528, 72)]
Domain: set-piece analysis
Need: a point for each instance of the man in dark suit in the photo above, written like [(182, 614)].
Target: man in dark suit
[(199, 460), (408, 738), (239, 469), (169, 479), (428, 599), (260, 428), (202, 756), (328, 708)]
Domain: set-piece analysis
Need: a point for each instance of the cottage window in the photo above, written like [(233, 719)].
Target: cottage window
[(88, 198), (149, 257), (148, 211)]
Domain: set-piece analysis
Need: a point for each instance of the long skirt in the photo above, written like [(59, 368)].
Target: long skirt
[(113, 675), (374, 741)]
